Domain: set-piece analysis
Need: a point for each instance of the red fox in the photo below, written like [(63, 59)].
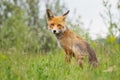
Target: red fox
[(72, 43)]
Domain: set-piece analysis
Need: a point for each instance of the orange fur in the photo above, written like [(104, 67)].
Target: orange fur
[(72, 43)]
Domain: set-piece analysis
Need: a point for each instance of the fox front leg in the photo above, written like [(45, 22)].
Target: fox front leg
[(68, 56)]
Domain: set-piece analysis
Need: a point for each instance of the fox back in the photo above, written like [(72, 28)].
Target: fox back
[(71, 42)]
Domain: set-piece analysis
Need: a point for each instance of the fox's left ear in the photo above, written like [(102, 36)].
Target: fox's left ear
[(66, 13)]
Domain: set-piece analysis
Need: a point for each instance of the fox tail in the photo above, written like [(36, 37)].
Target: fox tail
[(92, 56)]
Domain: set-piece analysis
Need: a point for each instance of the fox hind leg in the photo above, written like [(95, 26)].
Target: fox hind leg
[(80, 60)]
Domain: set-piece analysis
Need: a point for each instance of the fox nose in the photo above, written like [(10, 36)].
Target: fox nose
[(54, 31)]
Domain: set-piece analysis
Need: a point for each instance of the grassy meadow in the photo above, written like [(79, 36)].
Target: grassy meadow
[(16, 65)]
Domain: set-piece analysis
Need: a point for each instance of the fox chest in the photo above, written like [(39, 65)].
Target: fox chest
[(66, 43)]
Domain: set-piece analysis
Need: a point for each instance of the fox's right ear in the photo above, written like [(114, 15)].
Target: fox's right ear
[(50, 15)]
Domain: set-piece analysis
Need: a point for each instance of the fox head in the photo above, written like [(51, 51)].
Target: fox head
[(56, 23)]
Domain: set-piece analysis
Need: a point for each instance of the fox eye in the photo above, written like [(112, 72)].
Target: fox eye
[(52, 25), (59, 25)]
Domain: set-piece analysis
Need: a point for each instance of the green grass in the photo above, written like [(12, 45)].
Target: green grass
[(20, 66)]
